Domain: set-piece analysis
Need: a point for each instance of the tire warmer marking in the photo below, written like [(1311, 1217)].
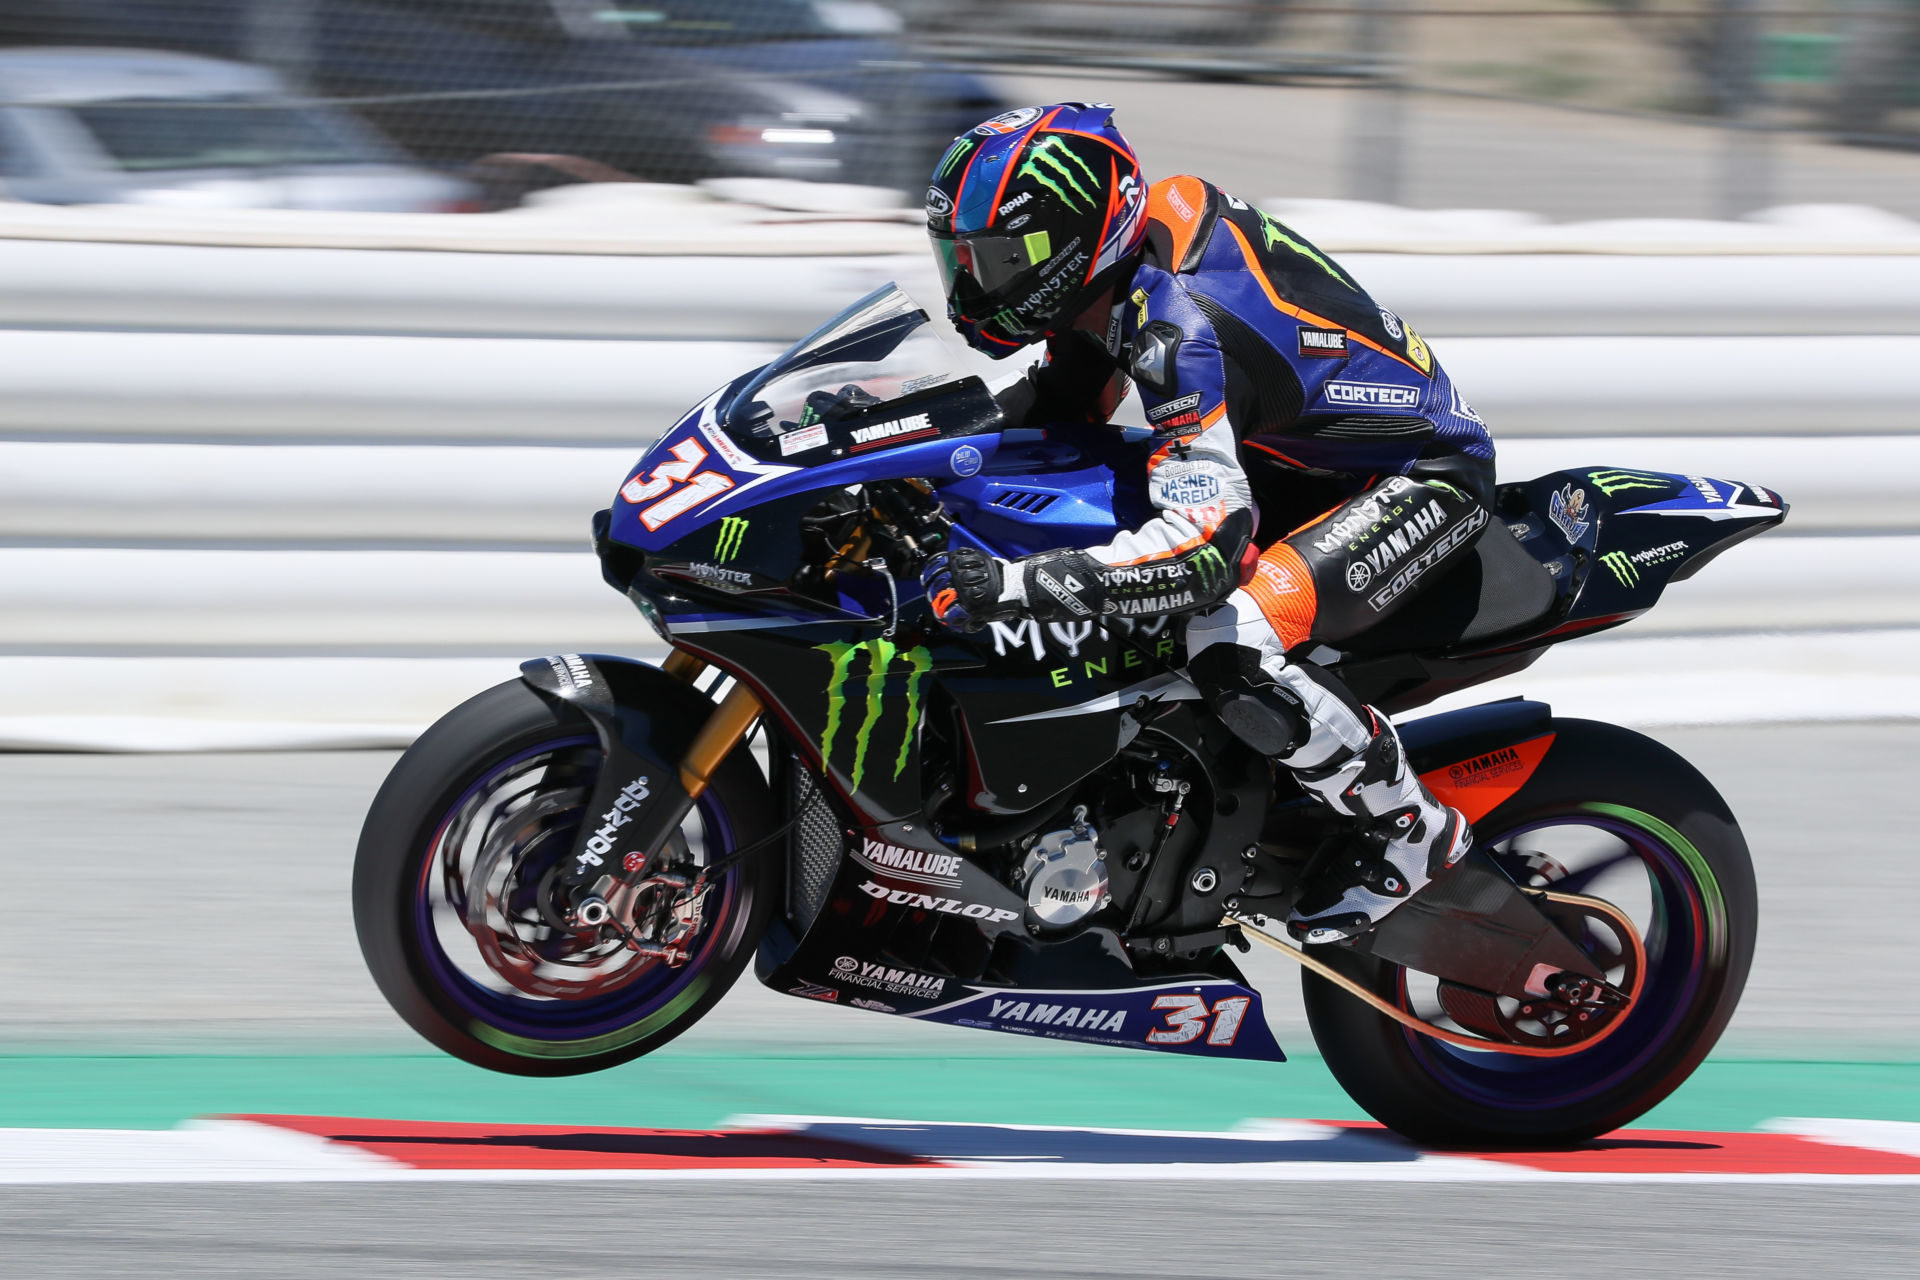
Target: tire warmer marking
[(1481, 784)]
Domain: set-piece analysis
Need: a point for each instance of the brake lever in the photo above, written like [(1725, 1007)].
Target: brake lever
[(879, 565)]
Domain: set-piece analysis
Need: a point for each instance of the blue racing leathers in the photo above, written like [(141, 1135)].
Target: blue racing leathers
[(1253, 352)]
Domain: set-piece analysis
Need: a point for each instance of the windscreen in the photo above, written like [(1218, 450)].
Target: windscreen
[(882, 345)]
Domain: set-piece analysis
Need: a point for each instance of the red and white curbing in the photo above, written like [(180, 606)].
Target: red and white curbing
[(325, 1149)]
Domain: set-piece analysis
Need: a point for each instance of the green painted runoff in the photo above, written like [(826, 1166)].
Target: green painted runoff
[(675, 1090)]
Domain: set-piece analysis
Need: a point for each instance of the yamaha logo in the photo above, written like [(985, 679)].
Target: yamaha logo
[(1359, 574)]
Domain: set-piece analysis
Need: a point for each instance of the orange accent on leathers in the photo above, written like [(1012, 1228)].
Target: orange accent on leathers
[(1282, 586), (1480, 784), (1164, 201)]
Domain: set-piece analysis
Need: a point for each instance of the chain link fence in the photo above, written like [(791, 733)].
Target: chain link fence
[(524, 93)]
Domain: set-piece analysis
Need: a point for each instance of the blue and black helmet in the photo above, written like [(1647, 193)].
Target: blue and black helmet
[(1032, 215)]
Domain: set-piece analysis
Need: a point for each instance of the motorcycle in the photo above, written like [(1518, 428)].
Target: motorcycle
[(1038, 828)]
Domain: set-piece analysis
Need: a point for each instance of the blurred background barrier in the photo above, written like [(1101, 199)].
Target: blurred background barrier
[(1589, 286), (528, 389)]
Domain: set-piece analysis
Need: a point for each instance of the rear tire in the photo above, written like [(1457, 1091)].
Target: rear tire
[(511, 737), (1699, 922)]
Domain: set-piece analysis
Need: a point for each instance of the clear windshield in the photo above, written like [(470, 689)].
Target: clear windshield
[(883, 345)]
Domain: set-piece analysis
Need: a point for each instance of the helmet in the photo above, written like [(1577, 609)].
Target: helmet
[(1033, 215)]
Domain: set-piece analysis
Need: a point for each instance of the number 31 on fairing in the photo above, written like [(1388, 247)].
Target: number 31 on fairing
[(696, 486), (1188, 1016)]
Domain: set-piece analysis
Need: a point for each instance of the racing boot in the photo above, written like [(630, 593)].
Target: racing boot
[(1406, 837)]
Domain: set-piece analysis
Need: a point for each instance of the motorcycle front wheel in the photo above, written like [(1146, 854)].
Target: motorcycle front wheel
[(454, 859), (1608, 814)]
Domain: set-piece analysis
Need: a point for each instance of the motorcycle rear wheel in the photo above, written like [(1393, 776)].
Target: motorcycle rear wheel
[(1608, 813), (450, 856)]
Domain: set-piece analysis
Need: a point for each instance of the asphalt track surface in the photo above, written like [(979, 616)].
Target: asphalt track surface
[(224, 880), (1072, 1231)]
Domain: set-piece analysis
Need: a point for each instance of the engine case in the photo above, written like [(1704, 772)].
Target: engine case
[(1065, 874)]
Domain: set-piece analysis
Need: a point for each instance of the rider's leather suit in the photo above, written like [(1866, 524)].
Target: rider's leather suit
[(1271, 380)]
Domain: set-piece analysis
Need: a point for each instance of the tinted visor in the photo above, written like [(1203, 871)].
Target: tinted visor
[(982, 273)]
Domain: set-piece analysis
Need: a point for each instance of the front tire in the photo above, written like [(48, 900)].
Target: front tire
[(1608, 813), (449, 860)]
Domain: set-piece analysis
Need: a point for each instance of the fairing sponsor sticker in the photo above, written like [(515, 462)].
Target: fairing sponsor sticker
[(1209, 1018), (913, 426), (918, 901), (803, 439), (892, 862), (1568, 511)]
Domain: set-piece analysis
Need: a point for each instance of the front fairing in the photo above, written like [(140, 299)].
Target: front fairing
[(763, 438)]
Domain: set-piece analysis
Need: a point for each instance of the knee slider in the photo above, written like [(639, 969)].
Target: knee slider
[(1261, 713)]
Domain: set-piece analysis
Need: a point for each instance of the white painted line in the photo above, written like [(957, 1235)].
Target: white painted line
[(1899, 1137), (200, 1151)]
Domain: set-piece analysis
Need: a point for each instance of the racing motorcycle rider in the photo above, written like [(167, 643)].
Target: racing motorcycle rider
[(1265, 371)]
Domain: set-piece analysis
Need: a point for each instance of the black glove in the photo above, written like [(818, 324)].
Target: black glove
[(963, 586)]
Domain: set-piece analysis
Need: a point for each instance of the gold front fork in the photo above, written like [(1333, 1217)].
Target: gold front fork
[(683, 666), (717, 738)]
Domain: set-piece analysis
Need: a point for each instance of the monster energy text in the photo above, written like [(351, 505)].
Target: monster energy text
[(880, 659), (733, 531)]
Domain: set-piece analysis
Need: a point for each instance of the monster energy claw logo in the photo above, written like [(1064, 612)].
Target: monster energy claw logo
[(1624, 570), (733, 531), (955, 154), (1211, 567), (1277, 235), (880, 659), (1048, 151), (1612, 482)]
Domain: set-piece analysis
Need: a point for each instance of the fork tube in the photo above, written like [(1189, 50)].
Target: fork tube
[(683, 666), (721, 733)]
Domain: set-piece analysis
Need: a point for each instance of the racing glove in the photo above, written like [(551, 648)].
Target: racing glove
[(969, 588)]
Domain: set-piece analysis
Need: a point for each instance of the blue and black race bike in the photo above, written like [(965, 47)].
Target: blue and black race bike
[(1040, 828)]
